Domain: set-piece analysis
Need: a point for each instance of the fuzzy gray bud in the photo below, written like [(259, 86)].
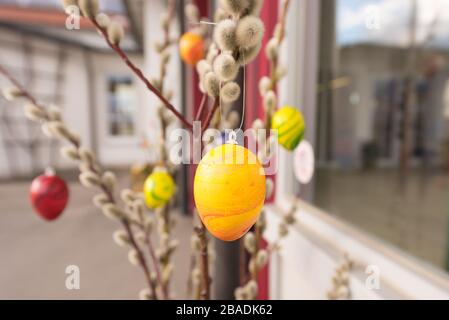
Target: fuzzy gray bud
[(89, 8), (230, 92), (225, 35), (234, 6), (212, 84), (225, 67), (249, 32), (115, 32)]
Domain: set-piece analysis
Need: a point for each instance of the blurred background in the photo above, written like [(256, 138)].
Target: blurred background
[(371, 77)]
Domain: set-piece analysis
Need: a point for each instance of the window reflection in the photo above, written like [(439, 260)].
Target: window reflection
[(383, 143)]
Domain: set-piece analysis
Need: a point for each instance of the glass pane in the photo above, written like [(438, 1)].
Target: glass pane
[(383, 143), (121, 106)]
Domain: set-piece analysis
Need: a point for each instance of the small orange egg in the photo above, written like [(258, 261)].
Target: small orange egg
[(191, 48)]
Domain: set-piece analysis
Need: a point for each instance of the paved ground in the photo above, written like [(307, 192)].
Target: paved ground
[(34, 253)]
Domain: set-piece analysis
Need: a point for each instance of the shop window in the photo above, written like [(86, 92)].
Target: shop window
[(382, 137)]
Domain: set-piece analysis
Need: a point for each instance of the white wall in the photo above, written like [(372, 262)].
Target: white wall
[(43, 62), (76, 103), (317, 243)]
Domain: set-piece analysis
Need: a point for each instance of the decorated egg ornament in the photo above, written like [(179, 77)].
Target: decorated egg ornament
[(49, 195), (229, 191), (191, 48), (289, 123), (158, 189)]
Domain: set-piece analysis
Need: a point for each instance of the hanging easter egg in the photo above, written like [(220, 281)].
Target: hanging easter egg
[(304, 162), (49, 195), (289, 123), (191, 48), (158, 189), (229, 191)]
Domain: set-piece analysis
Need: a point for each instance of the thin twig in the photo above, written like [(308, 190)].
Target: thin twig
[(141, 76), (210, 115)]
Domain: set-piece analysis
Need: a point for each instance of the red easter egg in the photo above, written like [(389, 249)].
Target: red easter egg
[(49, 196)]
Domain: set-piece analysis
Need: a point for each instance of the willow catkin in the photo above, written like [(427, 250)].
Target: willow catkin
[(234, 6), (225, 67), (272, 49), (212, 84), (202, 67), (249, 32), (233, 119), (100, 200), (230, 92), (258, 124), (10, 93), (70, 152), (246, 55), (225, 35), (145, 294), (269, 101), (264, 85), (34, 113), (249, 242), (103, 20), (121, 238), (89, 8), (68, 3), (115, 32), (133, 257), (261, 258), (89, 179)]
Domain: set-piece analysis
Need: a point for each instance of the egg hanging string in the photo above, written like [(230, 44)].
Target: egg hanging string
[(233, 134), (232, 138)]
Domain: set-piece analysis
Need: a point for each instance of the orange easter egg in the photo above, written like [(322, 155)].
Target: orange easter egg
[(229, 191), (191, 48)]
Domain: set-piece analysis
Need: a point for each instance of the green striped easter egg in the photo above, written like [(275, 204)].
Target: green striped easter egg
[(289, 123)]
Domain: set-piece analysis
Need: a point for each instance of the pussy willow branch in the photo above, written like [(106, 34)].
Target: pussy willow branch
[(164, 160), (141, 76), (205, 288), (94, 168), (275, 62), (147, 240)]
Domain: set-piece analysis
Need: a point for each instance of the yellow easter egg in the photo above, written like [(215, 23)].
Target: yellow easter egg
[(158, 189), (229, 191), (289, 123)]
